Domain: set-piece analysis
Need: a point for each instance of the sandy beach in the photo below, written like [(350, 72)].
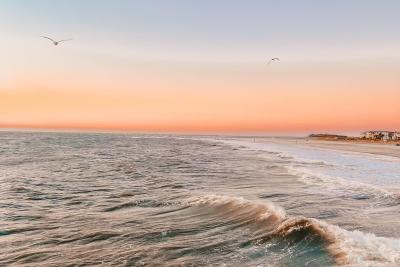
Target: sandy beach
[(383, 149)]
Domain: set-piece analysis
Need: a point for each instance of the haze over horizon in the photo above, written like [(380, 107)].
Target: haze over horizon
[(201, 67)]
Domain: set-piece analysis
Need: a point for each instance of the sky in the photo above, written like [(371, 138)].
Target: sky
[(200, 66)]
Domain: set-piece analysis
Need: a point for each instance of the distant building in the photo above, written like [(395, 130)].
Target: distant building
[(381, 135), (368, 135)]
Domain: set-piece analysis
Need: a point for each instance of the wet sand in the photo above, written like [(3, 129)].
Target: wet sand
[(371, 148)]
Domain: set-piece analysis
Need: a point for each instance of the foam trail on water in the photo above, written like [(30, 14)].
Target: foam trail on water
[(337, 171), (338, 183)]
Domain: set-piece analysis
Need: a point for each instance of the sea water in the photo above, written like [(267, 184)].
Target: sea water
[(80, 199)]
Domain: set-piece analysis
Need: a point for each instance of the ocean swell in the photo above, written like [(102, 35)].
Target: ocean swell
[(270, 223)]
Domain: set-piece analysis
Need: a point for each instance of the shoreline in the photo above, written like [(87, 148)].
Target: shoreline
[(375, 148), (383, 149), (357, 141)]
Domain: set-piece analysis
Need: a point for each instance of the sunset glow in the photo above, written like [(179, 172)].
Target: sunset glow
[(113, 77)]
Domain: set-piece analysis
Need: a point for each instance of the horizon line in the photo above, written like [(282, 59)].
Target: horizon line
[(166, 132)]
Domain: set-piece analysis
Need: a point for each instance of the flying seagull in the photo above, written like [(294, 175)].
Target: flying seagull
[(274, 59), (55, 42)]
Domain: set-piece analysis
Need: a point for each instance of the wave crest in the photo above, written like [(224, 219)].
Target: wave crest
[(350, 248)]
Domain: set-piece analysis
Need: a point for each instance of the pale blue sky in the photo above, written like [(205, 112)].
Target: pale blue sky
[(214, 26)]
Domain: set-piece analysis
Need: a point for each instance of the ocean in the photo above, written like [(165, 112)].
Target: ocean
[(86, 199)]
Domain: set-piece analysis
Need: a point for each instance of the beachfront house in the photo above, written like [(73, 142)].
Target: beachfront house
[(380, 135)]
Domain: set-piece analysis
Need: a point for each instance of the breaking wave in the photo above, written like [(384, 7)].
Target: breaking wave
[(270, 223)]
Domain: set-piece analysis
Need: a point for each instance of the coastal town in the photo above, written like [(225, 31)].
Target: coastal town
[(367, 136), (381, 135)]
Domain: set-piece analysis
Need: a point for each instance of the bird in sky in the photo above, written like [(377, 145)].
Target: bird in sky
[(273, 60), (54, 41)]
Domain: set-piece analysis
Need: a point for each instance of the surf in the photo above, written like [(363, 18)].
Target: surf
[(271, 224)]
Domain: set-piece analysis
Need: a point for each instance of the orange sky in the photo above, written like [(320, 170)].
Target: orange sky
[(224, 106)]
